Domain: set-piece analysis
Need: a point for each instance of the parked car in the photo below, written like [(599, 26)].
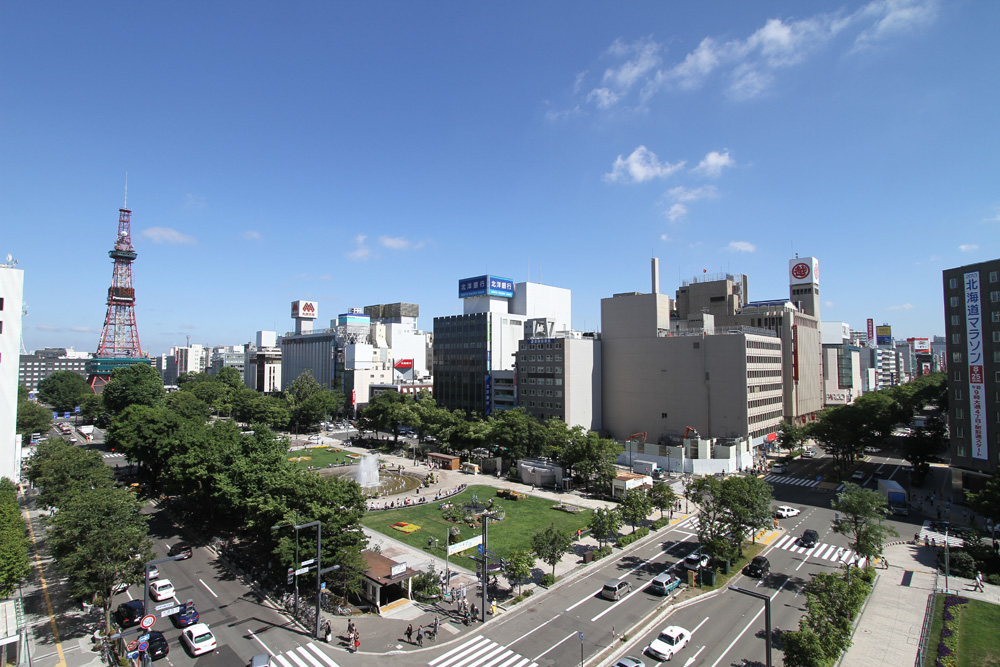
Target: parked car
[(779, 468), (758, 568), (616, 589), (158, 647), (858, 474), (129, 613), (261, 660), (697, 561), (871, 450), (669, 642), (808, 453), (188, 615), (786, 512), (809, 539), (198, 638), (180, 549), (664, 583), (161, 589)]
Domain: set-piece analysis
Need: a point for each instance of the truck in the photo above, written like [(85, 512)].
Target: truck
[(895, 496)]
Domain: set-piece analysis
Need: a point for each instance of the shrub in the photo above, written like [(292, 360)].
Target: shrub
[(522, 596), (624, 541), (659, 524), (548, 579), (641, 532), (948, 646), (602, 552)]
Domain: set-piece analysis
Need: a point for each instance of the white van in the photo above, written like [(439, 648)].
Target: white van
[(779, 469)]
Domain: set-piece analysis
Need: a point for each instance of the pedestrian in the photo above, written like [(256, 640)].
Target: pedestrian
[(357, 641), (409, 633), (436, 625), (979, 582), (420, 635), (885, 563), (493, 607), (350, 628), (474, 612)]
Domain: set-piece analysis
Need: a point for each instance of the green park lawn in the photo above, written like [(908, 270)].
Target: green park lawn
[(320, 457), (978, 643), (523, 519)]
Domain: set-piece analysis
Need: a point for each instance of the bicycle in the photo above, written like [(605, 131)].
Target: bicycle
[(342, 611)]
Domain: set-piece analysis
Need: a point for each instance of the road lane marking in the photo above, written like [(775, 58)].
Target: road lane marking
[(771, 537), (283, 661), (782, 541), (699, 625), (690, 661), (310, 657), (457, 649), (533, 629), (570, 636), (207, 587), (296, 659), (752, 621), (45, 590), (251, 633)]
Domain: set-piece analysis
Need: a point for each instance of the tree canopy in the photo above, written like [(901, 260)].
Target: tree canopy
[(137, 384), (64, 390)]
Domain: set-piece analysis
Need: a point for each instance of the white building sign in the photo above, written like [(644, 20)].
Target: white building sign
[(974, 345)]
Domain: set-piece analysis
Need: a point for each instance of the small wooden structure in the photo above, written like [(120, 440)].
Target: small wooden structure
[(445, 461)]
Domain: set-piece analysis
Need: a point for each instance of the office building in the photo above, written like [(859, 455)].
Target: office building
[(39, 364), (11, 303), (972, 333), (559, 376)]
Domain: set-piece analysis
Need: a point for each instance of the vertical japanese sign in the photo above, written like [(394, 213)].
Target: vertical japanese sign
[(974, 344), (871, 331)]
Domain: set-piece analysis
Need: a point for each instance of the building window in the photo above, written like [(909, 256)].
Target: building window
[(958, 394), (953, 301), (994, 276), (956, 338), (959, 413), (995, 296), (953, 283), (954, 320), (956, 357), (996, 336), (995, 316)]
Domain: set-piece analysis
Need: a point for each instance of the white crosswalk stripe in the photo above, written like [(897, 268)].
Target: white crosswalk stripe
[(794, 481), (939, 538), (309, 655), (481, 652), (821, 551)]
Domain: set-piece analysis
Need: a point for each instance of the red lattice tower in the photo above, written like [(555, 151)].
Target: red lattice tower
[(119, 339)]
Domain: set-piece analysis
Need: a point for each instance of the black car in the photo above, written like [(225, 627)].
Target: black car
[(129, 613), (758, 568), (158, 646), (182, 550), (809, 539)]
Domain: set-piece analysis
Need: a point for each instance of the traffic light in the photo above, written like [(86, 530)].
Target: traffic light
[(291, 575)]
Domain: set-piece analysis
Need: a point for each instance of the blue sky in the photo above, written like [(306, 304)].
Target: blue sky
[(360, 153)]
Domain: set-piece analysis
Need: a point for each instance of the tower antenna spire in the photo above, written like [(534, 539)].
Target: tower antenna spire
[(126, 191)]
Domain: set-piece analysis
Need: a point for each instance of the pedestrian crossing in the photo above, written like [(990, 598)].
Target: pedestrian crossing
[(481, 652), (309, 655), (822, 551), (938, 538), (795, 481)]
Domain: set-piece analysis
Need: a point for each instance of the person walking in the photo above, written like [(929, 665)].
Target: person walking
[(409, 633), (420, 635), (357, 640), (979, 582), (436, 625)]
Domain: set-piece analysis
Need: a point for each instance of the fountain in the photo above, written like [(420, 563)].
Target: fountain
[(367, 474)]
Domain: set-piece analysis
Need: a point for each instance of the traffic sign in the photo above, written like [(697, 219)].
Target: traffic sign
[(143, 646), (147, 621), (143, 638), (301, 570), (132, 644), (170, 612), (132, 655), (165, 605), (307, 563), (479, 549)]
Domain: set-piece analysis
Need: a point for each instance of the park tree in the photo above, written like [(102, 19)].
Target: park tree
[(63, 390), (63, 471), (188, 405), (136, 384), (95, 538), (860, 513), (923, 445), (152, 436), (803, 648), (635, 507), (986, 501), (747, 499), (551, 544), (663, 497), (791, 435), (316, 408), (92, 410), (605, 523), (515, 434), (517, 567), (714, 518), (592, 457), (32, 417), (837, 431), (14, 563), (832, 602), (230, 377), (388, 411)]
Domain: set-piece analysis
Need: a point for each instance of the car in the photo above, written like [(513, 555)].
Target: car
[(809, 539), (616, 589), (161, 589), (758, 568), (629, 661), (779, 468), (198, 639), (129, 613), (808, 453), (697, 561), (188, 615), (858, 474), (871, 450), (669, 642), (180, 549), (261, 660), (786, 512), (879, 474), (664, 583), (158, 647)]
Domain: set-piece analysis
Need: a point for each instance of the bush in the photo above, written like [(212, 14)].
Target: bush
[(960, 564), (602, 552), (993, 579), (624, 541), (947, 647), (661, 523), (641, 532), (522, 596), (548, 579)]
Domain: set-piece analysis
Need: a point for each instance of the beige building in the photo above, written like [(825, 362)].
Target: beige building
[(658, 379), (560, 378)]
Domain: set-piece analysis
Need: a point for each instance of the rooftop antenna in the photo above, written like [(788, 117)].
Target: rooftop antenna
[(126, 191)]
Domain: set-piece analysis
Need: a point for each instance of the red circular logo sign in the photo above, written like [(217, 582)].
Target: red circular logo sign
[(800, 271)]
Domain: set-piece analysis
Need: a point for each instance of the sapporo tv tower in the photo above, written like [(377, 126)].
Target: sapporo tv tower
[(119, 340)]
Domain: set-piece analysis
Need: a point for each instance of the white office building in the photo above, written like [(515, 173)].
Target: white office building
[(11, 303)]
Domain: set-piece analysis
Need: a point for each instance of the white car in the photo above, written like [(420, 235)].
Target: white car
[(669, 642), (199, 639), (871, 450), (786, 512), (161, 589)]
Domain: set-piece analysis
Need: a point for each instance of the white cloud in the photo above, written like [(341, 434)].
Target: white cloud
[(361, 251), (394, 242), (193, 201), (746, 67), (902, 306), (250, 235), (995, 218), (714, 162), (681, 193), (76, 329), (741, 246), (676, 212), (828, 304), (640, 166), (664, 237), (167, 235), (968, 247)]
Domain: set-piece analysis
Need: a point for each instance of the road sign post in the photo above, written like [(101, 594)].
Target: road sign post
[(147, 621)]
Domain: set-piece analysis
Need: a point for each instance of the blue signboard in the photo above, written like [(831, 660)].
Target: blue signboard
[(66, 415), (55, 415), (76, 409), (486, 286)]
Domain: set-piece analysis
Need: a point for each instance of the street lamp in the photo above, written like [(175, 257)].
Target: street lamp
[(767, 617)]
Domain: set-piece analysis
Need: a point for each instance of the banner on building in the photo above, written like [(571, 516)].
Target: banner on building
[(883, 335), (974, 349), (871, 330)]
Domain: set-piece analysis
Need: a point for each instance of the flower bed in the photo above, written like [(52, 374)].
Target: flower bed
[(948, 646), (404, 527)]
